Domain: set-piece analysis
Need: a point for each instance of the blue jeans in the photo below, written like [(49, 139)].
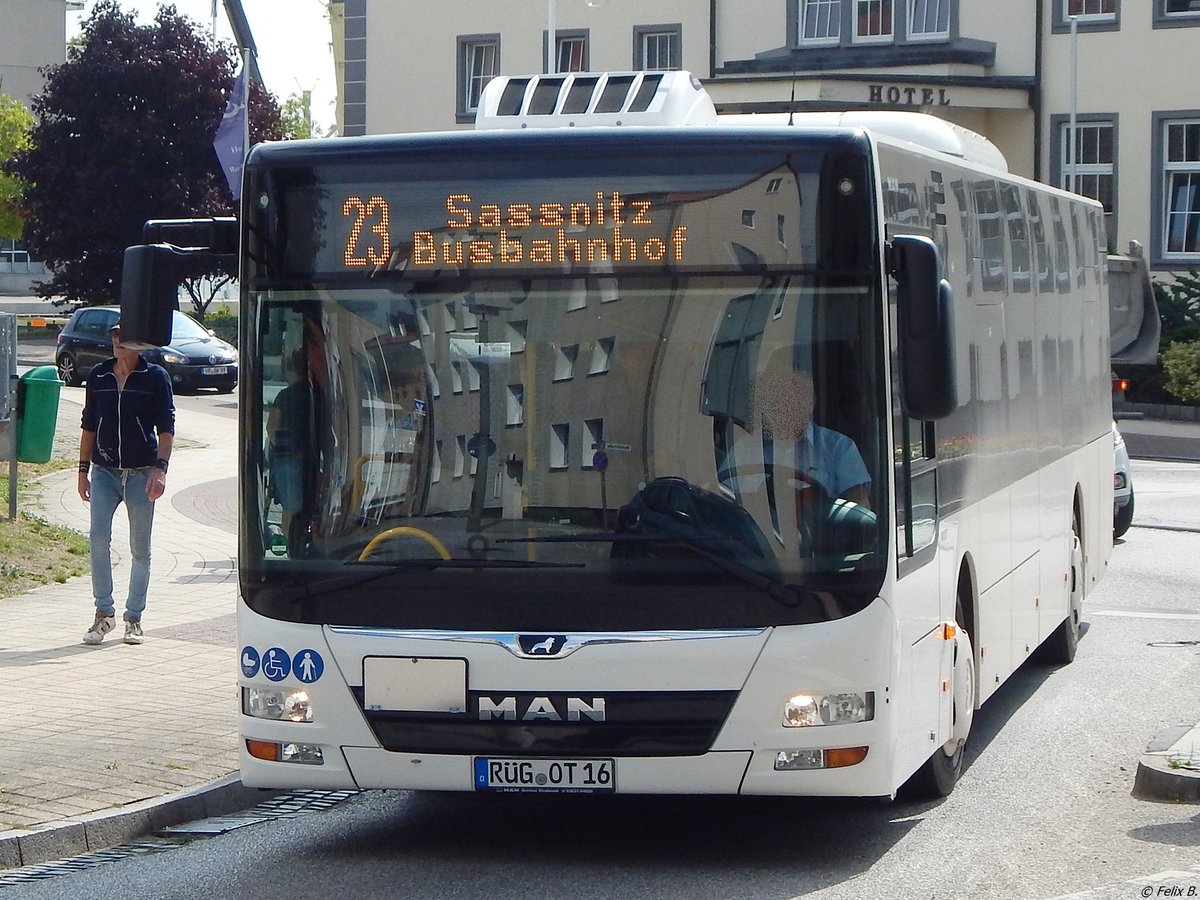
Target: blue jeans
[(109, 488)]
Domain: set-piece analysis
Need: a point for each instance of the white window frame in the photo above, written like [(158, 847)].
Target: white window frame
[(820, 23), (601, 355), (566, 45), (651, 44), (560, 445), (868, 6), (516, 404), (593, 430), (564, 362), (1085, 16), (1171, 170), (1193, 12), (480, 64), (1095, 169), (940, 9)]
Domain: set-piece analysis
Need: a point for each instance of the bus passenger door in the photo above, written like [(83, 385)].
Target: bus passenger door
[(918, 597)]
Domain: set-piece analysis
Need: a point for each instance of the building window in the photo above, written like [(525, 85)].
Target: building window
[(560, 445), (873, 20), (658, 47), (564, 362), (929, 19), (571, 51), (1095, 165), (460, 455), (1091, 9), (820, 21), (1176, 13), (1181, 187), (593, 430), (516, 404), (601, 355), (1090, 15), (478, 63)]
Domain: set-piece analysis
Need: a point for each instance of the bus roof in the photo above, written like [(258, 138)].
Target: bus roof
[(590, 99)]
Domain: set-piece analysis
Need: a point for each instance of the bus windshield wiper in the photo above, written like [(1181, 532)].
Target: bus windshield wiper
[(773, 587), (380, 568)]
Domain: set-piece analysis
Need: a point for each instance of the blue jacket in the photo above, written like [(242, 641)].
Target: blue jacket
[(127, 422)]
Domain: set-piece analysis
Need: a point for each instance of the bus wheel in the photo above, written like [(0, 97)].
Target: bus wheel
[(1059, 648), (937, 777)]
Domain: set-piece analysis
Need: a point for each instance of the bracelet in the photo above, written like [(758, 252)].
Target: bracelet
[(84, 466), (162, 464)]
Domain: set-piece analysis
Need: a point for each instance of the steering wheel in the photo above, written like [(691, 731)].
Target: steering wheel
[(399, 530)]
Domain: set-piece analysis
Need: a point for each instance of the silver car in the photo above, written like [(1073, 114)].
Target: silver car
[(1122, 485)]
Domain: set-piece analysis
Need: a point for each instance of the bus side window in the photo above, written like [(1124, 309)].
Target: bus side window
[(916, 487)]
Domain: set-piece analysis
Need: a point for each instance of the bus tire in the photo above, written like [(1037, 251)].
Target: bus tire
[(1059, 648), (940, 773)]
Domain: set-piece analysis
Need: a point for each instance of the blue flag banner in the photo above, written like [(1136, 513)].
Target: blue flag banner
[(230, 141)]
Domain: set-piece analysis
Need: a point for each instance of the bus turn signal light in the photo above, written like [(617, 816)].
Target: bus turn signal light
[(268, 750), (844, 756)]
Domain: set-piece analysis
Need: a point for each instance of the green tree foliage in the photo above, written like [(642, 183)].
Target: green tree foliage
[(1179, 307), (124, 133), (296, 116), (15, 125), (1181, 370)]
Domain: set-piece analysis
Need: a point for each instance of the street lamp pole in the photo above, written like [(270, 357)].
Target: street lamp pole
[(551, 47), (1072, 138)]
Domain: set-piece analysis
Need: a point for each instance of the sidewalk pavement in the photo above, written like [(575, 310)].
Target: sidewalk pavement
[(97, 738), (112, 742)]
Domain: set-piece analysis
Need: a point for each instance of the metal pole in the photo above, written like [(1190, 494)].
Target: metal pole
[(551, 44), (1072, 149)]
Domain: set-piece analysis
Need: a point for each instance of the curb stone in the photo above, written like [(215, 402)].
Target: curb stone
[(70, 837), (1157, 780)]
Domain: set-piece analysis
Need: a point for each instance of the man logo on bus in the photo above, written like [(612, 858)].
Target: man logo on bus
[(541, 644)]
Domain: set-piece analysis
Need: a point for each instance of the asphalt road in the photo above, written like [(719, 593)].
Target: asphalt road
[(1043, 809)]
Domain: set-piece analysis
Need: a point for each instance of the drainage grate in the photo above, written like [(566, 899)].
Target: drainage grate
[(285, 806), (84, 861)]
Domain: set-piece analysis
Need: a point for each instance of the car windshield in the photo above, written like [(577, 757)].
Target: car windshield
[(185, 328)]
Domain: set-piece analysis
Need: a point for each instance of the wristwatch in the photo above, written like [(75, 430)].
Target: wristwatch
[(162, 464)]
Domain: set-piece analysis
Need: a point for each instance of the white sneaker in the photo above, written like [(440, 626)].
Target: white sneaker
[(133, 632), (102, 626)]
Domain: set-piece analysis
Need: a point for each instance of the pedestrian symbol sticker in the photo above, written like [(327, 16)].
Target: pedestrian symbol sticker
[(249, 662), (276, 664), (307, 666)]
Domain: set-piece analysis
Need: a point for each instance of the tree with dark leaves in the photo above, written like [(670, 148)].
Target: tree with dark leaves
[(123, 134)]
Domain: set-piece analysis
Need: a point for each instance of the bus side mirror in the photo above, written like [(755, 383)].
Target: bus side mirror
[(149, 295), (925, 314)]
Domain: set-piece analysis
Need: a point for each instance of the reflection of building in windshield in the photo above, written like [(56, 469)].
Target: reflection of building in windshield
[(492, 398)]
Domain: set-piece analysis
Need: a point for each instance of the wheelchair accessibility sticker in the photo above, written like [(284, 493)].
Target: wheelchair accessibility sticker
[(276, 664)]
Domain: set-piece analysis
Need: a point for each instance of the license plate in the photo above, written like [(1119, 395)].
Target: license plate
[(215, 370), (545, 775)]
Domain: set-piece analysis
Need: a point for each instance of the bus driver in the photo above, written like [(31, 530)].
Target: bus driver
[(819, 456)]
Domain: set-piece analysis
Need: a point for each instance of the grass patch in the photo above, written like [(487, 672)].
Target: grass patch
[(34, 552)]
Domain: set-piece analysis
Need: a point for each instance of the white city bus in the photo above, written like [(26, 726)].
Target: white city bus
[(675, 454)]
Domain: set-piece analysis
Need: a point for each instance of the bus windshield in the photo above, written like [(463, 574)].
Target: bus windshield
[(573, 447)]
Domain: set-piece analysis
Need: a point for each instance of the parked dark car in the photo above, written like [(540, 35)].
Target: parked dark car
[(195, 358)]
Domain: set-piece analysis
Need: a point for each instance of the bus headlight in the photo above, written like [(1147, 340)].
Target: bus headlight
[(280, 704), (807, 710)]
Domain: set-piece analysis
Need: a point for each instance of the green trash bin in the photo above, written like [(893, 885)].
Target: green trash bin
[(37, 413)]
